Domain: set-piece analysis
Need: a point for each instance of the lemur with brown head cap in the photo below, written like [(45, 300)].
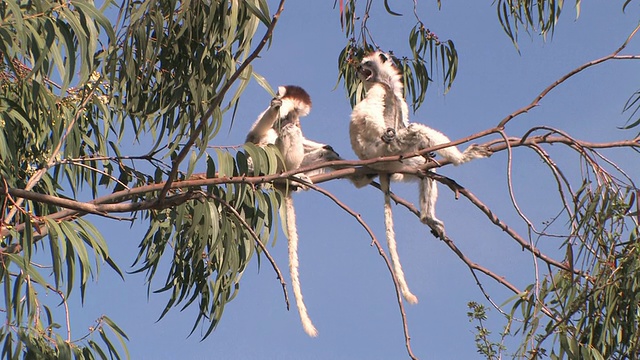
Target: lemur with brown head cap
[(279, 124)]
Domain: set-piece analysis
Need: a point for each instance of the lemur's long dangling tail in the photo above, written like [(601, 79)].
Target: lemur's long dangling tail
[(292, 236), (391, 241)]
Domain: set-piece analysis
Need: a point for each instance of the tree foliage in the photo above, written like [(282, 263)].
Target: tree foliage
[(78, 78)]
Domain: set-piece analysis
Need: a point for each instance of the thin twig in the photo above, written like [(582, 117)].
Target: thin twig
[(113, 178), (466, 260), (560, 180), (376, 243), (494, 219), (514, 202), (470, 264), (92, 329), (571, 73), (66, 310), (258, 242), (512, 196)]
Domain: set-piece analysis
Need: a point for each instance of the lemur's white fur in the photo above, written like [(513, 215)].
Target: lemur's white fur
[(391, 241), (291, 101), (385, 99), (280, 125), (370, 134), (378, 68), (315, 153)]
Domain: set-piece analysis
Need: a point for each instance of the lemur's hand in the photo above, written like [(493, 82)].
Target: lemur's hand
[(389, 135), (276, 102)]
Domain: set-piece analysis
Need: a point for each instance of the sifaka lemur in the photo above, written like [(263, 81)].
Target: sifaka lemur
[(279, 124), (380, 127)]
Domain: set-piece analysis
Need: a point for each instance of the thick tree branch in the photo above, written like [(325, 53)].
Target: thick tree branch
[(114, 202)]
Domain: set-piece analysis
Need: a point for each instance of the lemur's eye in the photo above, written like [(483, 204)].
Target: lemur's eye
[(383, 58)]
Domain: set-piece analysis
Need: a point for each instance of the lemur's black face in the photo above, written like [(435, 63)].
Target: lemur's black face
[(365, 71)]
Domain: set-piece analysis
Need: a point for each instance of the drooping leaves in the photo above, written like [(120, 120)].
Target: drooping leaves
[(427, 52), (208, 239), (73, 87)]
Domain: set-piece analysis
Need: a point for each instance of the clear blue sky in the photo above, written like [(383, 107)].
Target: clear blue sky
[(347, 288)]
